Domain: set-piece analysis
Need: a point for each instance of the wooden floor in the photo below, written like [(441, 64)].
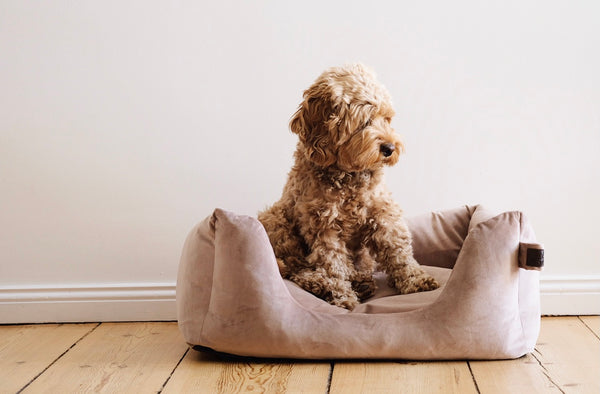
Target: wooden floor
[(152, 357)]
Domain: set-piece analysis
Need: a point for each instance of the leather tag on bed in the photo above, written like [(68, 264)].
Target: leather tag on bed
[(531, 256)]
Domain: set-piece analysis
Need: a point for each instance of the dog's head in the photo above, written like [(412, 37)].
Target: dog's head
[(344, 121)]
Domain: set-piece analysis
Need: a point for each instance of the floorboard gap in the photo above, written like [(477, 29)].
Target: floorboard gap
[(331, 366), (58, 358), (473, 377), (173, 371), (588, 327), (545, 371)]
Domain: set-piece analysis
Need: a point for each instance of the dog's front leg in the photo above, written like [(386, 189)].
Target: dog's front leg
[(329, 271), (363, 282), (391, 242)]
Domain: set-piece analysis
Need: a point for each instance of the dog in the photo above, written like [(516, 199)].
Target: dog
[(336, 222)]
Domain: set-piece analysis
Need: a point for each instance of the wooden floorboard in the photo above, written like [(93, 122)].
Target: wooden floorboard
[(569, 354), (116, 358), (523, 375), (153, 358), (404, 377), (203, 372), (566, 359), (593, 323), (26, 351)]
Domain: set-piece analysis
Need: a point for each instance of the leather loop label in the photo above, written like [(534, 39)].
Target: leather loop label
[(531, 256)]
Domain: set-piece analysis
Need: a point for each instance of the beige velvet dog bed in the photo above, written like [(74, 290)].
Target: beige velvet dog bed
[(231, 297)]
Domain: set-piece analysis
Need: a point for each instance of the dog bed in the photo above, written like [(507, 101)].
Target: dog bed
[(232, 299)]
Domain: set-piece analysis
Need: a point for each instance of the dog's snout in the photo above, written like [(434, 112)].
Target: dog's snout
[(387, 149)]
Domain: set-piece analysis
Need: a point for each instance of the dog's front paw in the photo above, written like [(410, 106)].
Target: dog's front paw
[(413, 279), (364, 288), (347, 301), (335, 291)]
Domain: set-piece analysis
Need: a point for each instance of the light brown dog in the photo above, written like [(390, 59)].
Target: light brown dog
[(336, 222)]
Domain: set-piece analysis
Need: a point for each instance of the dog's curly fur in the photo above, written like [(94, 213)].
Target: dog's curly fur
[(336, 222)]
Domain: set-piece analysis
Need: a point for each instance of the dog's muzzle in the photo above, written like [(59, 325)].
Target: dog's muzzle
[(387, 149)]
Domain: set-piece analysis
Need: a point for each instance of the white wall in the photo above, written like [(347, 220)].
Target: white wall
[(123, 123)]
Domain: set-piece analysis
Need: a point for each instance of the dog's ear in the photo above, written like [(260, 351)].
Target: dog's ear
[(312, 123)]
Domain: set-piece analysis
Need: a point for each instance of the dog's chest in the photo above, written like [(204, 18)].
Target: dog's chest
[(341, 202), (350, 208)]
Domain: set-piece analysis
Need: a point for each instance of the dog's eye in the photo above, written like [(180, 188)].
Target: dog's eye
[(363, 126)]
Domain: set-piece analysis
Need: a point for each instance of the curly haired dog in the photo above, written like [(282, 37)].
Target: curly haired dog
[(336, 222)]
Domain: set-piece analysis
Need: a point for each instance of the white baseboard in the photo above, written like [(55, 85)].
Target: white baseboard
[(88, 303), (560, 295), (570, 295)]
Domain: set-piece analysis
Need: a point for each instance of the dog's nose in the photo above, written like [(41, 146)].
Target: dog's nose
[(387, 149)]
